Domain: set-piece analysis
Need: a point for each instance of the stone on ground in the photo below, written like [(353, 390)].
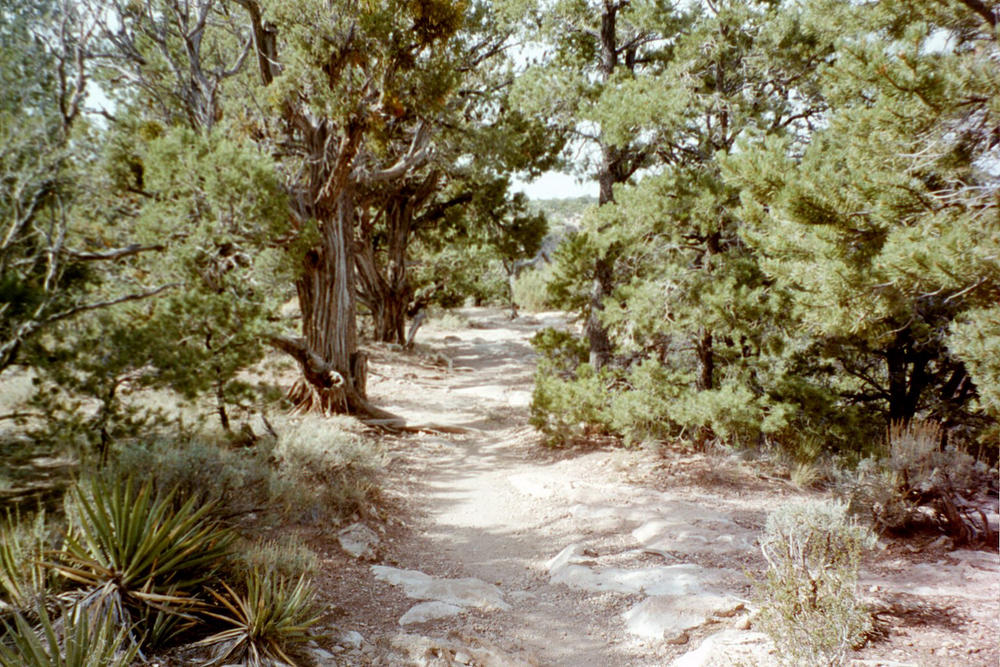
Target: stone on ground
[(731, 647), (359, 541), (668, 617), (430, 611), (468, 592)]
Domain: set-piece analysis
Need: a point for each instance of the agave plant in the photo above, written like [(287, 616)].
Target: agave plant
[(139, 559), (73, 640), (23, 579), (265, 622)]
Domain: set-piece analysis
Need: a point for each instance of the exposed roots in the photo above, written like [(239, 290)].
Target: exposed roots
[(307, 397)]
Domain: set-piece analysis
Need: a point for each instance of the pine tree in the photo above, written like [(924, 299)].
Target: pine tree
[(883, 228)]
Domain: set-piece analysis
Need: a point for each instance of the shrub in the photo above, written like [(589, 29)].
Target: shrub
[(76, 640), (266, 621), (138, 559), (919, 484), (287, 558), (808, 599), (324, 467), (564, 409), (530, 289), (232, 481)]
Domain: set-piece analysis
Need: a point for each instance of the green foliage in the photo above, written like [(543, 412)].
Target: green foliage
[(75, 639), (879, 223), (267, 620), (785, 280), (24, 581), (918, 485), (324, 468), (139, 559), (975, 336), (456, 273), (567, 409), (530, 289), (808, 596)]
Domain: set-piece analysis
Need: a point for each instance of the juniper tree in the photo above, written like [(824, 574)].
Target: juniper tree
[(54, 255), (597, 61), (883, 229), (691, 307)]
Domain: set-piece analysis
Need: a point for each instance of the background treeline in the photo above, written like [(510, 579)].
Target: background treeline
[(799, 234)]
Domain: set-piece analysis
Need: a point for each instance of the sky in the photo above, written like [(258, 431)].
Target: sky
[(554, 185)]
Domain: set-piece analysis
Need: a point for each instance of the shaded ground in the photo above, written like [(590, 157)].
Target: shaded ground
[(636, 533)]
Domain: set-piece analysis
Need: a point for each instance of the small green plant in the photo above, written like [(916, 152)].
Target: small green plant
[(287, 558), (76, 639), (138, 559), (809, 605), (23, 543), (324, 468), (917, 484), (266, 621)]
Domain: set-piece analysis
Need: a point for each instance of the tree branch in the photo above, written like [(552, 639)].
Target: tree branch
[(118, 253)]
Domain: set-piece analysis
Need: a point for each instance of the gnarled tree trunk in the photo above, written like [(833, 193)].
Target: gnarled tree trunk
[(326, 298)]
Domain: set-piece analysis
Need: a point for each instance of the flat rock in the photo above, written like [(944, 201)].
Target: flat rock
[(717, 535), (359, 541), (429, 611), (351, 639), (468, 592), (730, 647), (572, 568), (668, 617), (983, 560)]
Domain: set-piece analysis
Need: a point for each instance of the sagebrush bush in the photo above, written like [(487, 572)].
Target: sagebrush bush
[(808, 596), (285, 557), (234, 480), (324, 467), (917, 484), (530, 289)]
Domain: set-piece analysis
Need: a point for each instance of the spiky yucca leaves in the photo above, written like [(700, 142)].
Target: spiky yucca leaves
[(76, 639), (139, 559), (23, 578), (266, 622)]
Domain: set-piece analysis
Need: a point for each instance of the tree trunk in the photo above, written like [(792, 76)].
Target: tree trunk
[(908, 377), (706, 361), (326, 298)]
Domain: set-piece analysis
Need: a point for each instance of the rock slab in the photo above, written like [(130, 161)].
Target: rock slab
[(731, 647), (359, 541), (669, 617), (468, 592)]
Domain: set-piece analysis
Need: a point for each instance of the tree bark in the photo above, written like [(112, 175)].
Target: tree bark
[(706, 362), (326, 297), (908, 378)]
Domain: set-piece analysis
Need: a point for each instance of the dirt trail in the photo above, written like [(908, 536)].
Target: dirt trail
[(498, 551)]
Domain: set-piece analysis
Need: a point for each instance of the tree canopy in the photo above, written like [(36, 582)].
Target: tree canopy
[(795, 240)]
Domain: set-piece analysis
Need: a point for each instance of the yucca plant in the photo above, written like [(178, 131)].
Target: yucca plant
[(23, 579), (265, 622), (76, 639), (137, 558)]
